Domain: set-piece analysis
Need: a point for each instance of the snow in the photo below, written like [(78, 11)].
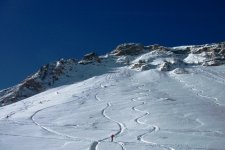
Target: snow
[(180, 71), (195, 58), (145, 110), (154, 55), (182, 47), (182, 109)]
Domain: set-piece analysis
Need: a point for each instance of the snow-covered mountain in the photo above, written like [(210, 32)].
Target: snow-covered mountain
[(136, 56), (45, 77), (149, 97)]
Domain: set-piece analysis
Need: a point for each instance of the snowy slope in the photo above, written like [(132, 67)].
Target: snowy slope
[(53, 75), (181, 108)]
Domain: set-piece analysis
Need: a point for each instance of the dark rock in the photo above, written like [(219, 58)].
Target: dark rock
[(46, 76), (90, 58), (200, 50), (187, 50), (141, 65), (166, 66), (128, 49), (212, 63)]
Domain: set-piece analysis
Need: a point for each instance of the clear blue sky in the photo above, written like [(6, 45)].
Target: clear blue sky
[(35, 32)]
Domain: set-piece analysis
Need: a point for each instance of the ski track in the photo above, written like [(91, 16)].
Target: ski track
[(122, 128), (14, 112), (195, 90), (55, 132), (155, 128), (97, 98), (66, 136), (212, 75), (36, 137), (198, 92), (8, 116), (94, 145), (121, 125)]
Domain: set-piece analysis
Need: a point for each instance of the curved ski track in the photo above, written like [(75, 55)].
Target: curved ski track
[(155, 128), (53, 131), (94, 145), (198, 92)]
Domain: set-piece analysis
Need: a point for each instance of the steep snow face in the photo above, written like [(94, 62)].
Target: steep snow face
[(149, 109), (136, 56)]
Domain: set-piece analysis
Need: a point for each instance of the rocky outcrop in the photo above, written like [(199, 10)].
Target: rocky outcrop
[(45, 78), (198, 50), (141, 65), (166, 66), (212, 63), (128, 49), (90, 58), (152, 47)]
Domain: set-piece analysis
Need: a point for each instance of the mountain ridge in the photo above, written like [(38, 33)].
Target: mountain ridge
[(133, 55)]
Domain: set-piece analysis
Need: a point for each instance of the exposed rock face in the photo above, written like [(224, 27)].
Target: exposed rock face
[(181, 51), (212, 63), (141, 65), (40, 81), (156, 47), (138, 65), (146, 67), (128, 49), (166, 66), (199, 50), (170, 65), (90, 58), (53, 71), (222, 49)]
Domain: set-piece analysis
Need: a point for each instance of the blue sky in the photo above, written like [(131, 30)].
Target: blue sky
[(36, 32)]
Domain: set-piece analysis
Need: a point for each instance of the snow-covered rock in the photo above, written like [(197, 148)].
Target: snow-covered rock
[(125, 60), (43, 79), (196, 58), (128, 49), (180, 71), (181, 50), (165, 66), (212, 63), (140, 65), (90, 58), (145, 67)]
